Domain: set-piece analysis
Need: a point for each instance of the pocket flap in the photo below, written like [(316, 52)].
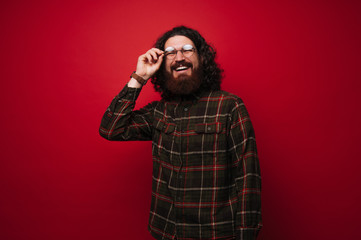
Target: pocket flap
[(215, 127), (163, 126)]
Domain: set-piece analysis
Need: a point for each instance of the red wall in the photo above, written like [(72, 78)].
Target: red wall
[(296, 64)]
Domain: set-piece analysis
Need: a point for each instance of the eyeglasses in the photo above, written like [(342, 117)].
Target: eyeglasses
[(187, 51)]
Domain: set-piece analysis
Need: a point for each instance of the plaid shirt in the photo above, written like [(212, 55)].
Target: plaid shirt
[(206, 176)]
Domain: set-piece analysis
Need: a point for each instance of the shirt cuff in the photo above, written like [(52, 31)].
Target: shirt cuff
[(129, 93)]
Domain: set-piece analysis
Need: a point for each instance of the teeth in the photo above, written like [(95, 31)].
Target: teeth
[(181, 68)]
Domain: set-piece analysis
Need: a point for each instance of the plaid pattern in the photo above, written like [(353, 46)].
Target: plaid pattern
[(206, 176)]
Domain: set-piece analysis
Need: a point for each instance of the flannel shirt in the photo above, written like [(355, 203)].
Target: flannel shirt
[(206, 176)]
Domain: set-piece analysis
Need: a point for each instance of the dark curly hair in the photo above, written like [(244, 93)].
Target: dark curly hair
[(211, 72)]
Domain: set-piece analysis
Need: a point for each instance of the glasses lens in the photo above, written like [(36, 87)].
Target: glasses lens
[(171, 55), (187, 50), (170, 52)]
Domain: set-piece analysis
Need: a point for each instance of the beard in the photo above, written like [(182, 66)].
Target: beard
[(183, 85)]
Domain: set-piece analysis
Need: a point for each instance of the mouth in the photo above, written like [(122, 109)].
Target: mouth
[(181, 67)]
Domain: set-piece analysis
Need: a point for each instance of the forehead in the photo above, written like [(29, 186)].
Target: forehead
[(178, 42)]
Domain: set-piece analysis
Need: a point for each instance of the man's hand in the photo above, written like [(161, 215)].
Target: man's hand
[(149, 63)]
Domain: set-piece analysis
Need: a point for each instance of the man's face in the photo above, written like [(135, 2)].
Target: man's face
[(183, 73), (192, 62)]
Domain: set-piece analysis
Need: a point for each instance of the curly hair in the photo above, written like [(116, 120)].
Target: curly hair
[(211, 72)]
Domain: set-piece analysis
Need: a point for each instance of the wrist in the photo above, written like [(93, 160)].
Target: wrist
[(133, 83), (139, 78), (142, 75)]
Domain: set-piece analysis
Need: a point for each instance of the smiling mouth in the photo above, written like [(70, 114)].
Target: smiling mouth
[(181, 68)]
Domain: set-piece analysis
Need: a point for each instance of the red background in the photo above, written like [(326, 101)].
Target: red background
[(296, 64)]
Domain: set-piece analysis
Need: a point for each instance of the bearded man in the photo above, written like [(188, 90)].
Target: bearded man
[(206, 175)]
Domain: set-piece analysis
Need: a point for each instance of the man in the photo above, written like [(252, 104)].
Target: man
[(206, 177)]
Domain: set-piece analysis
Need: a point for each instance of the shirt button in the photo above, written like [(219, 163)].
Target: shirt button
[(185, 109), (209, 128)]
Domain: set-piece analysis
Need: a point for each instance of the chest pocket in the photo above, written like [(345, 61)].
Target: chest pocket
[(163, 138), (215, 127), (209, 138), (164, 126)]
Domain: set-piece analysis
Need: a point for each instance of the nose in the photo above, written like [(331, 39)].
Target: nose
[(179, 56)]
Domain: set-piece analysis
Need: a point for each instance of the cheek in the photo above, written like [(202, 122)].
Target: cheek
[(167, 65), (196, 61), (195, 64)]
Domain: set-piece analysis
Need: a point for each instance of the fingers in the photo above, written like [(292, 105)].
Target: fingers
[(149, 63), (153, 54), (160, 59), (158, 51)]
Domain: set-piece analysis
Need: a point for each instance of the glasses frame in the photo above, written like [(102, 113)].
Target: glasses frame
[(167, 53)]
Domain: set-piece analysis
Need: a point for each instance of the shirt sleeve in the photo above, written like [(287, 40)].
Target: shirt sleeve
[(246, 172), (121, 123)]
